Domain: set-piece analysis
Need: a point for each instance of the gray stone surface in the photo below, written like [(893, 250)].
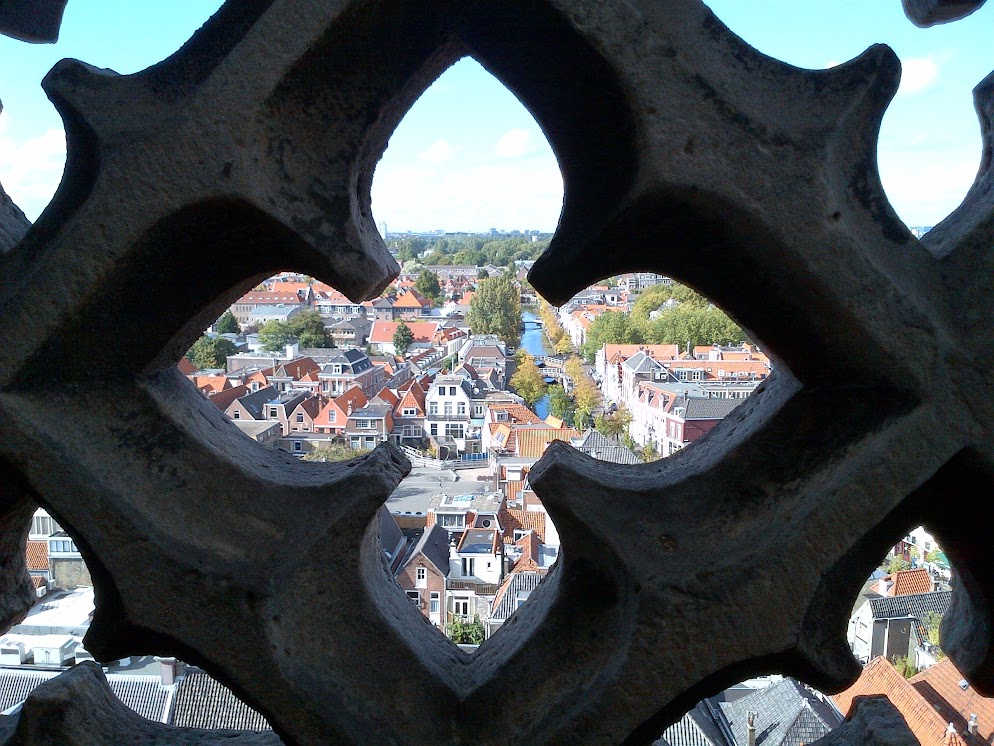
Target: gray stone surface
[(13, 224), (932, 12), (35, 21), (685, 152)]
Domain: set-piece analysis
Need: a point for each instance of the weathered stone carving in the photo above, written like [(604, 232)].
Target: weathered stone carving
[(683, 151), (931, 12)]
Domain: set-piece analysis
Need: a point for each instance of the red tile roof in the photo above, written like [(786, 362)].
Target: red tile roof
[(880, 677), (383, 331), (36, 555), (211, 384), (411, 298), (185, 366), (940, 686), (909, 582), (223, 399)]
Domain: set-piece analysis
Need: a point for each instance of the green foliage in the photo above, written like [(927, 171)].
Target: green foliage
[(306, 327), (528, 381), (612, 327), (227, 324), (467, 633), (403, 338), (648, 453), (587, 397), (904, 667), (496, 309), (614, 424), (427, 284), (933, 620), (561, 404), (210, 353), (896, 564), (692, 324), (331, 452), (310, 331)]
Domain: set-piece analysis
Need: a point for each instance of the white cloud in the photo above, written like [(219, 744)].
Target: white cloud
[(514, 144), (30, 170), (917, 74), (439, 151)]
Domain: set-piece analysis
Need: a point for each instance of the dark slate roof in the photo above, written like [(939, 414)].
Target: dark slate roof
[(696, 728), (255, 402), (434, 545), (604, 449), (203, 702), (477, 541), (700, 408), (917, 605), (390, 537), (787, 714), (519, 582)]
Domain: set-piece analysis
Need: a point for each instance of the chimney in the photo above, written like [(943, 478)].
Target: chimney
[(971, 727), (751, 728), (169, 670)]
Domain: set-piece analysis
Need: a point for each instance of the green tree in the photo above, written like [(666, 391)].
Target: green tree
[(564, 346), (693, 325), (587, 397), (614, 424), (904, 667), (573, 368), (651, 299), (427, 284), (527, 380), (467, 633), (896, 564), (561, 404), (496, 309), (933, 620), (227, 324), (274, 336), (309, 328), (331, 452), (612, 327), (403, 338), (210, 352)]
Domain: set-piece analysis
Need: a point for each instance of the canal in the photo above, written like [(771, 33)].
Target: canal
[(533, 339)]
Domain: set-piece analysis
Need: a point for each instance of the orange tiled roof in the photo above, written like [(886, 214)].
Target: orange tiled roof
[(37, 581), (36, 555), (880, 677), (266, 297), (615, 353), (411, 298), (908, 582), (940, 686), (517, 413), (211, 384), (186, 367), (512, 518), (532, 442), (383, 331)]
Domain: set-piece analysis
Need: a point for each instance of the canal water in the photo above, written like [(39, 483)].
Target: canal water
[(534, 340)]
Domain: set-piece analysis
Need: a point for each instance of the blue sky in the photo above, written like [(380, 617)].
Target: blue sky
[(469, 157)]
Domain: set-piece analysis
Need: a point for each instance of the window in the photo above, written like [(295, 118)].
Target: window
[(331, 415), (410, 412), (461, 408), (415, 597), (43, 525), (300, 416), (298, 447), (422, 577), (478, 410), (468, 566), (433, 408), (363, 424), (416, 432), (236, 415), (519, 533), (354, 443), (436, 599), (448, 408), (460, 607), (370, 442), (274, 412), (454, 430), (452, 390), (407, 431), (448, 520), (434, 429)]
